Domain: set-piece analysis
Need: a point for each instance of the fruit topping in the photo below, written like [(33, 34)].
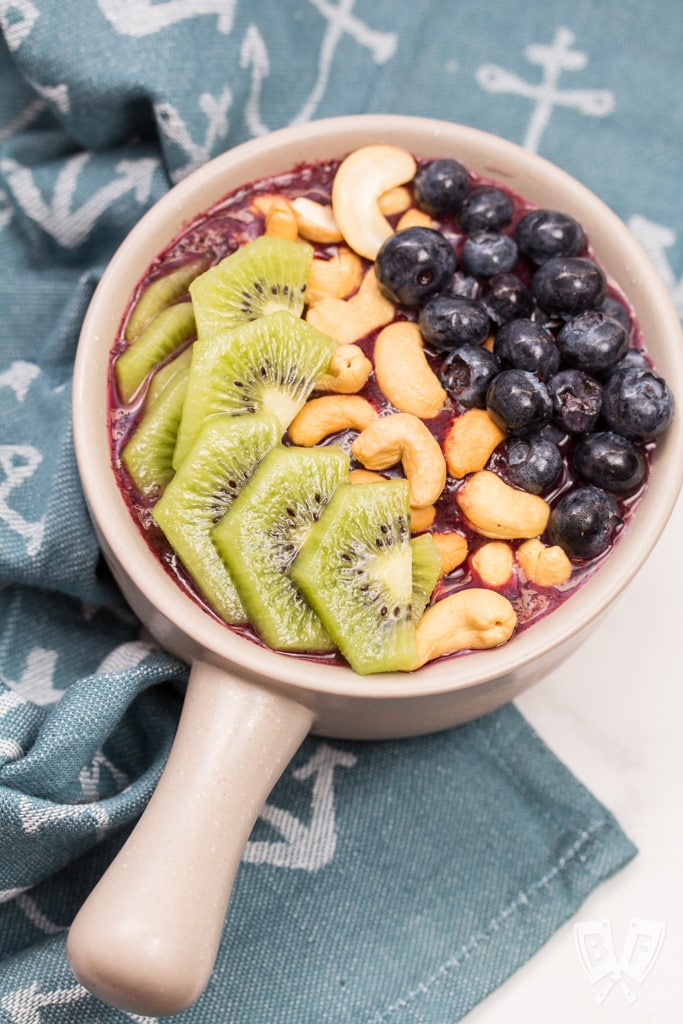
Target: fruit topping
[(519, 402), (525, 345), (485, 253), (169, 330), (568, 285), (448, 321), (610, 461), (441, 186), (593, 342), (533, 463), (637, 403), (467, 372), (576, 399), (584, 522), (485, 208), (413, 264), (541, 234)]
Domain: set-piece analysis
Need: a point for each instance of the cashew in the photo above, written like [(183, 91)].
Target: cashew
[(396, 200), (415, 219), (545, 566), (365, 476), (348, 371), (315, 221), (422, 519), (404, 438), (470, 441), (471, 619), (337, 277), (321, 417), (348, 320), (489, 342), (496, 510), (494, 563), (403, 373), (280, 219), (361, 178), (453, 550)]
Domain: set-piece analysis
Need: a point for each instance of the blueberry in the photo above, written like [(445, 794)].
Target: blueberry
[(568, 285), (576, 399), (634, 357), (610, 461), (584, 521), (413, 264), (534, 463), (541, 234), (524, 345), (637, 403), (612, 307), (467, 372), (447, 321), (519, 402), (486, 207), (461, 284), (505, 297), (593, 342), (485, 253), (441, 186)]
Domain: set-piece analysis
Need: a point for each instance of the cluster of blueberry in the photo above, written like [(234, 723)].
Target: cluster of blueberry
[(561, 365)]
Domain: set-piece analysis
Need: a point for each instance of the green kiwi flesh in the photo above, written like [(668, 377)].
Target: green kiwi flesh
[(264, 529), (426, 570), (169, 329), (161, 292), (355, 569), (271, 364), (148, 455), (224, 456), (263, 276)]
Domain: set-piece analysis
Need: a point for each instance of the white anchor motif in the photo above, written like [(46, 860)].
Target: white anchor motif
[(19, 376), (70, 227), (340, 21), (17, 29), (18, 462), (145, 17), (25, 117), (307, 847), (174, 128), (655, 240), (554, 59), (36, 683), (56, 94), (25, 1005)]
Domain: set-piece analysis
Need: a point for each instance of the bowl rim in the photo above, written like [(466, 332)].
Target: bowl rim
[(122, 541)]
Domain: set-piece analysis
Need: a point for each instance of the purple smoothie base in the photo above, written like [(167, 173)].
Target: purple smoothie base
[(232, 223)]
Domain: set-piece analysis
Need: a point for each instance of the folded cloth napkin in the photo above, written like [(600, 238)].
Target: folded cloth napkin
[(442, 863)]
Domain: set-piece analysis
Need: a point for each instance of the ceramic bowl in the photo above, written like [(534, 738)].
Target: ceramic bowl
[(146, 939)]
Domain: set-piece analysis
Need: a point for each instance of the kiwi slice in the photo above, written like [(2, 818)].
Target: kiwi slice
[(227, 451), (271, 364), (261, 534), (263, 276), (148, 455), (426, 570), (163, 335), (161, 292), (355, 569)]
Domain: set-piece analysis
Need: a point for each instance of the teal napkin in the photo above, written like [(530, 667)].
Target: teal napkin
[(448, 860)]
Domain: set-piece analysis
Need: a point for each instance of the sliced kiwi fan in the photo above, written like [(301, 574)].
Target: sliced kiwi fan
[(262, 277), (171, 327), (271, 364), (355, 569), (162, 292), (219, 464), (262, 533)]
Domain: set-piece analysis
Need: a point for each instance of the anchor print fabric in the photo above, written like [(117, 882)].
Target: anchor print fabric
[(389, 883)]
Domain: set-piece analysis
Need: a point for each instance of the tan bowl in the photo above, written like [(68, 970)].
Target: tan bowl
[(146, 939)]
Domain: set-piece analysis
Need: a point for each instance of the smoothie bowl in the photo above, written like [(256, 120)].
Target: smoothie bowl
[(374, 419)]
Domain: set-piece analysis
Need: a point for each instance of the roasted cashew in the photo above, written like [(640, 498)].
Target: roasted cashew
[(404, 438), (494, 563), (414, 218), (422, 519), (396, 200), (279, 216), (365, 476), (315, 221), (403, 373), (453, 550), (348, 320), (321, 417), (496, 510), (544, 566), (471, 619), (470, 442), (361, 178), (336, 278), (348, 371)]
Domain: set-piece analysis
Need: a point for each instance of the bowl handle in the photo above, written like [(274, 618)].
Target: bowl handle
[(145, 940)]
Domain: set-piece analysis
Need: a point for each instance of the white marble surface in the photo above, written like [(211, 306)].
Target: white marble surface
[(614, 714)]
